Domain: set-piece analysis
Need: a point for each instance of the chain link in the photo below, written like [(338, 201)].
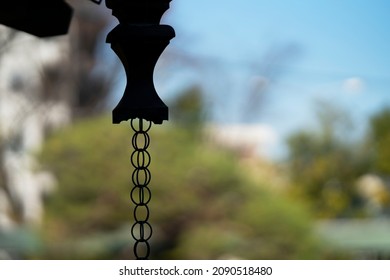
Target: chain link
[(141, 195)]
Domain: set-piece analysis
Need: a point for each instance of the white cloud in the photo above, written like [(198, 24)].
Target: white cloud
[(353, 85)]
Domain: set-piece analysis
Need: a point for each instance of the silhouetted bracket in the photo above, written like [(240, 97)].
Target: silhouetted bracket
[(42, 18), (139, 40)]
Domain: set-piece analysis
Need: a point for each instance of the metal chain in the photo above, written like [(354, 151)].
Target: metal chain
[(140, 194)]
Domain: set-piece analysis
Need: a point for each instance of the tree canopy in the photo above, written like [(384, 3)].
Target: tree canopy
[(204, 205)]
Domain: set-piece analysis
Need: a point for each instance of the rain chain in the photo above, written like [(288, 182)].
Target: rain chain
[(139, 39), (141, 194)]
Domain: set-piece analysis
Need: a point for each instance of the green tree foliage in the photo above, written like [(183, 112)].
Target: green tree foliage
[(204, 205), (380, 141), (187, 109), (325, 165)]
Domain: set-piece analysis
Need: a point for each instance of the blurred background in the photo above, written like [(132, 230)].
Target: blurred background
[(277, 145)]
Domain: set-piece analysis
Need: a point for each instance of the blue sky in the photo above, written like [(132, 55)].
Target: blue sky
[(344, 52), (347, 35)]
